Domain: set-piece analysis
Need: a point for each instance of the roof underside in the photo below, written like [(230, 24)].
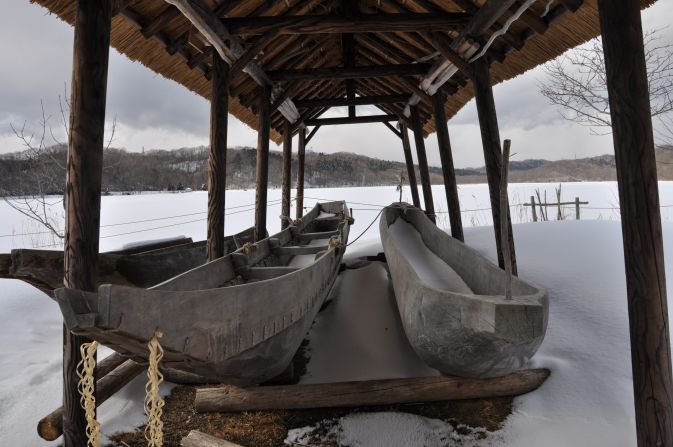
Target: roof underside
[(160, 37)]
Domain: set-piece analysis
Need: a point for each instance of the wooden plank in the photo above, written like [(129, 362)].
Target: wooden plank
[(632, 134), (196, 438), (306, 237), (336, 24), (366, 393), (262, 170), (490, 138), (411, 171), (83, 186), (296, 250), (450, 184), (423, 164), (357, 101), (287, 180), (349, 73), (115, 372), (217, 160), (349, 120)]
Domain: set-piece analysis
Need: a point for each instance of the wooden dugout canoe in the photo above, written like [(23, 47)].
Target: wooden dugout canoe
[(142, 265), (451, 300), (238, 319)]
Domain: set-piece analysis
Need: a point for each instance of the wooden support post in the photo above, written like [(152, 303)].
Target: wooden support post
[(577, 208), (83, 186), (366, 393), (422, 163), (532, 208), (287, 178), (630, 112), (504, 233), (490, 138), (217, 160), (411, 172), (262, 178), (301, 158), (450, 184)]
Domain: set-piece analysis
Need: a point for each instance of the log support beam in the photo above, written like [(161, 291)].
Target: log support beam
[(83, 186), (411, 172), (371, 71), (423, 163), (450, 184), (287, 177), (217, 160), (348, 120), (262, 178), (490, 138), (357, 101), (312, 133), (627, 85), (301, 161)]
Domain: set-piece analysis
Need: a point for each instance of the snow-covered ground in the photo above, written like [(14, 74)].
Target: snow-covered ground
[(587, 400)]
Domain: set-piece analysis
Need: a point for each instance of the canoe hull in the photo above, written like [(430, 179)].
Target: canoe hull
[(468, 335), (238, 334)]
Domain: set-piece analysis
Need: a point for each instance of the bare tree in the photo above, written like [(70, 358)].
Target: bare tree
[(576, 81), (37, 192)]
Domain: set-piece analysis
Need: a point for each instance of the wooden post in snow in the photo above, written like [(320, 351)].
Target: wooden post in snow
[(217, 160), (287, 177), (630, 112), (301, 159), (450, 184), (422, 163), (577, 208), (532, 208), (411, 172), (490, 138), (262, 178), (83, 186), (504, 207)]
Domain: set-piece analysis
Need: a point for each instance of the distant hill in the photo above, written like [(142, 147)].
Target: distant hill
[(156, 170)]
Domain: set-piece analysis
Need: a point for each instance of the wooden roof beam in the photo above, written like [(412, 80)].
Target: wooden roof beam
[(336, 24), (350, 120), (226, 45), (349, 73), (357, 101)]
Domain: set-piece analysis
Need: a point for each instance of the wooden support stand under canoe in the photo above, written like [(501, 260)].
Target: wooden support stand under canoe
[(366, 393), (196, 438), (114, 371)]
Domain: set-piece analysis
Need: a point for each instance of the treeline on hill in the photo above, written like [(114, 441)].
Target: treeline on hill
[(25, 173)]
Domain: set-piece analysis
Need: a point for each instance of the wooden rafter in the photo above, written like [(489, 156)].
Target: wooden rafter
[(349, 73)]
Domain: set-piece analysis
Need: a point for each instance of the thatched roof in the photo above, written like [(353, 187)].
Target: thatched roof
[(157, 35)]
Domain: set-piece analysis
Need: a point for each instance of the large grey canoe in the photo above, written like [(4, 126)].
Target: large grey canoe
[(451, 300), (238, 319), (142, 265)]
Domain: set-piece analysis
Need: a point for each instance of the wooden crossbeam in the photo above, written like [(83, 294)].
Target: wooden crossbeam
[(357, 101), (349, 73), (312, 133), (392, 129), (334, 24), (350, 120)]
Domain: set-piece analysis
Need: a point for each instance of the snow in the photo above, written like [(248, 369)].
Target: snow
[(586, 401), (429, 267)]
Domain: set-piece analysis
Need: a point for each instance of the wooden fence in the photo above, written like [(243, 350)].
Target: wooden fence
[(559, 215)]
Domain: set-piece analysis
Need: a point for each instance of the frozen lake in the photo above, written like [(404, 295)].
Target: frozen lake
[(126, 219)]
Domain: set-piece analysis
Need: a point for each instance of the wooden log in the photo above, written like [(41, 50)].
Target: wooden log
[(287, 180), (422, 163), (577, 208), (450, 184), (392, 129), (313, 74), (312, 133), (366, 393), (490, 138), (335, 24), (196, 438), (504, 207), (411, 171), (50, 427), (217, 160), (532, 208), (83, 186), (627, 85), (358, 101), (350, 120), (301, 161), (262, 177)]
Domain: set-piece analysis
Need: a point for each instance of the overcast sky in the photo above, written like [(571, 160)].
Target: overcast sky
[(153, 112)]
